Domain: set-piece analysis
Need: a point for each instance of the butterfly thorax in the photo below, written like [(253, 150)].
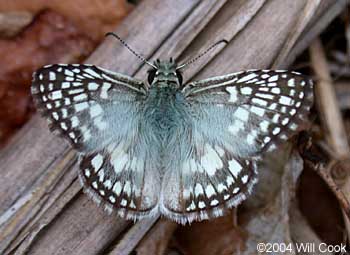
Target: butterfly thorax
[(164, 111), (165, 75)]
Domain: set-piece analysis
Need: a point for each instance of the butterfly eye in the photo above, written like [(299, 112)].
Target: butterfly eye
[(151, 75), (179, 76)]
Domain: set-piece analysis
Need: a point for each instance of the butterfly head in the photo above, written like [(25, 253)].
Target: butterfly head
[(165, 73)]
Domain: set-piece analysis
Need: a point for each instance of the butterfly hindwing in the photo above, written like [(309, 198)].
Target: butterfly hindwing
[(86, 104), (206, 183), (119, 177)]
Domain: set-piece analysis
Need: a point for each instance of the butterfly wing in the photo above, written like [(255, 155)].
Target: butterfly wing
[(234, 118), (86, 104), (122, 177), (257, 109), (97, 111)]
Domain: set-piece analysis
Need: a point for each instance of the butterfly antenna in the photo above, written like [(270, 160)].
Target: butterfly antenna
[(139, 56), (201, 54)]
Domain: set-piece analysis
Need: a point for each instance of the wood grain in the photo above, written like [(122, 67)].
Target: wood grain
[(42, 208)]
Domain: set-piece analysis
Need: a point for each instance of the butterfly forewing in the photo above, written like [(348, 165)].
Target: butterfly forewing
[(82, 103), (257, 109)]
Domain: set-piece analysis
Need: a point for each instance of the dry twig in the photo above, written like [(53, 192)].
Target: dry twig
[(331, 116)]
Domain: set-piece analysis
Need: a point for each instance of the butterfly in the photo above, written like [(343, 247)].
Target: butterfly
[(184, 151)]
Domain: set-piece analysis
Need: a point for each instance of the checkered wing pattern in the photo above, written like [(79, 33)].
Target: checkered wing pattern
[(85, 103), (235, 118), (97, 111)]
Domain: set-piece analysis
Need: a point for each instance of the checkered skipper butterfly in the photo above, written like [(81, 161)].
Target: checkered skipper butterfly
[(184, 151)]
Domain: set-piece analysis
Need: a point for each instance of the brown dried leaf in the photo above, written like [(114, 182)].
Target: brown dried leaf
[(49, 39), (94, 17)]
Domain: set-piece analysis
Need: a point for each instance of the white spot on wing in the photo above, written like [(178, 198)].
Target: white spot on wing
[(87, 172), (127, 188), (210, 160), (241, 114), (92, 72), (55, 115), (257, 110), (276, 130), (92, 86), (235, 190), (246, 91), (97, 162), (273, 78), (233, 94), (267, 96), (276, 90), (117, 188), (291, 82), (80, 97), (264, 125), (285, 100), (95, 110), (56, 95), (259, 101), (68, 72), (267, 139), (105, 87), (244, 179), (65, 85), (123, 202), (237, 125), (214, 202), (52, 76), (198, 190), (108, 184), (81, 106), (64, 126), (234, 167), (75, 121), (201, 204), (247, 77), (75, 91), (118, 159), (219, 150), (210, 191)]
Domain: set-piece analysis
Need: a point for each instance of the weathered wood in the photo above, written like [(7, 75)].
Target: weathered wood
[(39, 177), (133, 237)]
